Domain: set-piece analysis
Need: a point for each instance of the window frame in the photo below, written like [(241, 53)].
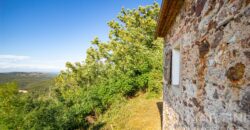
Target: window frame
[(175, 49)]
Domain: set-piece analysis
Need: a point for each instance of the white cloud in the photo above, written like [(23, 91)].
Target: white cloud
[(25, 63), (13, 58), (28, 66)]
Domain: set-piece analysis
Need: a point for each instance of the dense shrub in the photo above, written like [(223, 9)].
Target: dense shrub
[(130, 62)]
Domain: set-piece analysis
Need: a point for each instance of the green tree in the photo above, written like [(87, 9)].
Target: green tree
[(11, 106), (131, 61)]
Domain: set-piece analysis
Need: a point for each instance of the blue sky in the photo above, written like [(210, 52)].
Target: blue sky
[(41, 35)]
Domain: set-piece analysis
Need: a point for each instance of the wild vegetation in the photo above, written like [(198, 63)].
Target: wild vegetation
[(140, 112), (113, 72), (28, 80)]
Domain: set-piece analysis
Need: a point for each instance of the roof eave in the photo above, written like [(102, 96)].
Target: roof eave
[(169, 11)]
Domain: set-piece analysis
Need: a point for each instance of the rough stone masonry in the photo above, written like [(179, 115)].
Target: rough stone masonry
[(214, 42)]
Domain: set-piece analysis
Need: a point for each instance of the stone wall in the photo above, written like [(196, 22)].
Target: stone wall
[(214, 90)]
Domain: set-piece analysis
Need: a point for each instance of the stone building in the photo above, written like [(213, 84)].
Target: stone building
[(206, 64)]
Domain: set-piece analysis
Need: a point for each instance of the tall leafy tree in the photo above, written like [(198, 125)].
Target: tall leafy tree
[(129, 62)]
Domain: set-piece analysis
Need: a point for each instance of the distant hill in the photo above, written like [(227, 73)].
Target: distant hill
[(28, 80)]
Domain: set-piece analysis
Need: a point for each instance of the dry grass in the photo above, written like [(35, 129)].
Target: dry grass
[(138, 113)]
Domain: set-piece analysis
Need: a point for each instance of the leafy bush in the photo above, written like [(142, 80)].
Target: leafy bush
[(130, 62)]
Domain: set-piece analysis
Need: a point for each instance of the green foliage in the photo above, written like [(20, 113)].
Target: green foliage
[(130, 62), (11, 106)]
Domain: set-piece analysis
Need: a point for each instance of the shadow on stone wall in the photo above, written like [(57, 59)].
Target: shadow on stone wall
[(160, 109)]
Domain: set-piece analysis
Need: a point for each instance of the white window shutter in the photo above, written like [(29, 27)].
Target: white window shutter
[(175, 66)]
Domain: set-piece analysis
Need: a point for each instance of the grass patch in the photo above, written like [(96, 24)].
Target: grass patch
[(138, 113)]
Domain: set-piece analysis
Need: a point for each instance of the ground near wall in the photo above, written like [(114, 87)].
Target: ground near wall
[(139, 113)]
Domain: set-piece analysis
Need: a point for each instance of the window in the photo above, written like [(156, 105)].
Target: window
[(175, 66)]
